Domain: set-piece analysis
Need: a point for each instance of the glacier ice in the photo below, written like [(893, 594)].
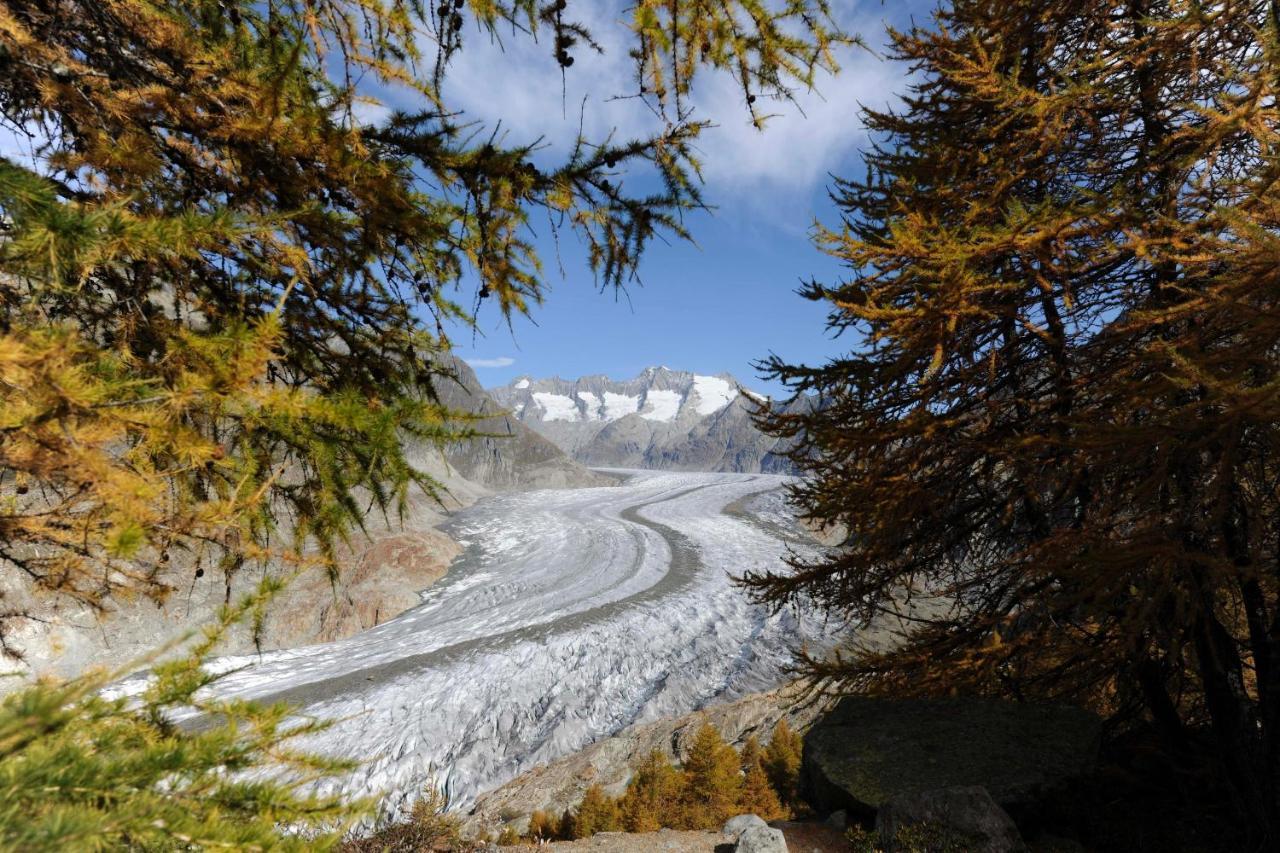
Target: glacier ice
[(572, 614)]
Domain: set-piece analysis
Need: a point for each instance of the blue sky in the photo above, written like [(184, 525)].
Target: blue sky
[(728, 301), (719, 305)]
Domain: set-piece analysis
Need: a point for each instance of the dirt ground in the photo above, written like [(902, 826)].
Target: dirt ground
[(801, 837)]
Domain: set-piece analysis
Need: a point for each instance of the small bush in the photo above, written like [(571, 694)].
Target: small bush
[(542, 827), (429, 827), (914, 838)]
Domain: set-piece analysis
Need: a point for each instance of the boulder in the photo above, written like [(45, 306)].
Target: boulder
[(966, 814), (735, 826), (866, 751), (761, 839), (838, 820)]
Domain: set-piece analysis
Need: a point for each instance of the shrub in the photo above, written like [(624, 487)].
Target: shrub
[(429, 827)]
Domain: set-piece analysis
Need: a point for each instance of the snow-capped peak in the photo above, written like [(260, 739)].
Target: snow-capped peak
[(658, 394)]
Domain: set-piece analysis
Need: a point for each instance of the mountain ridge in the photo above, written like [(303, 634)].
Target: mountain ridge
[(661, 418)]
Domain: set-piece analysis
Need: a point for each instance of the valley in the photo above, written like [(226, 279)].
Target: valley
[(570, 615)]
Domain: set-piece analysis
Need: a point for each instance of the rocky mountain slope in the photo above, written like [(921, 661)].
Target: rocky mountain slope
[(608, 762), (381, 575), (665, 419)]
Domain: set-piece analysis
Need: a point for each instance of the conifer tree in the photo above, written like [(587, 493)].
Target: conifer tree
[(223, 303), (653, 795), (758, 795), (598, 812), (80, 771), (712, 781), (1053, 439), (782, 762)]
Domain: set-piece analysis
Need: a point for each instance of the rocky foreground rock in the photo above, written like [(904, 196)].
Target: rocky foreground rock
[(969, 813), (867, 751)]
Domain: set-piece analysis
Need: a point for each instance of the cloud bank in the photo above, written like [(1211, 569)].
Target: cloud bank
[(519, 84), (500, 361)]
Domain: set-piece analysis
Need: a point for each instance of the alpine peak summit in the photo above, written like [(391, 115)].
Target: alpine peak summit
[(663, 418)]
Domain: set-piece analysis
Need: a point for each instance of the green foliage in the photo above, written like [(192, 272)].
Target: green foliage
[(82, 772)]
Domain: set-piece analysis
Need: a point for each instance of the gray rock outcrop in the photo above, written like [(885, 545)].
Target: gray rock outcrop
[(761, 839), (735, 826), (867, 751), (968, 812), (509, 455)]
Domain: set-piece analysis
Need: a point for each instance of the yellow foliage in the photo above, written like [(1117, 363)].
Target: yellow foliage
[(653, 795), (781, 762), (598, 812), (712, 781), (758, 795)]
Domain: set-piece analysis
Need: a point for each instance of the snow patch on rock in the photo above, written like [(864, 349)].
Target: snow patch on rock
[(661, 405), (619, 405), (713, 393), (557, 407)]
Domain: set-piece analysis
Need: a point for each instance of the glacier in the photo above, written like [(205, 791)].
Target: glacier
[(570, 615)]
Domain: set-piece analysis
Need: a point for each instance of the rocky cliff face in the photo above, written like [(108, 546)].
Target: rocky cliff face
[(665, 419)]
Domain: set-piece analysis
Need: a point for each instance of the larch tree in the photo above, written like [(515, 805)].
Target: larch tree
[(758, 795), (653, 793), (1057, 419), (781, 762), (223, 301), (201, 171), (598, 812), (712, 781)]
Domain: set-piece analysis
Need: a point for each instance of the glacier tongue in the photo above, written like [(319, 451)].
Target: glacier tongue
[(572, 614)]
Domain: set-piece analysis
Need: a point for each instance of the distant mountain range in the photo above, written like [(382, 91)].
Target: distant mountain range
[(665, 419)]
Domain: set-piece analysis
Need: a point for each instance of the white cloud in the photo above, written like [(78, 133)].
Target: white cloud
[(519, 84), (500, 361)]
